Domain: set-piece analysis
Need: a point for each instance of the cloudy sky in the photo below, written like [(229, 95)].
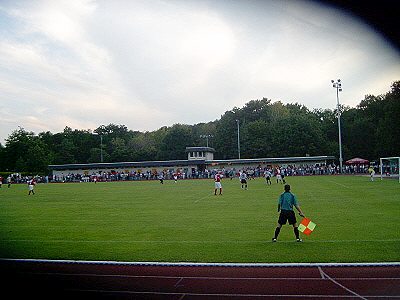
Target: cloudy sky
[(153, 63)]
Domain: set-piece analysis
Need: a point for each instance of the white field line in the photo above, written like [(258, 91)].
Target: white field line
[(346, 186), (225, 295), (181, 278), (319, 265), (341, 285), (202, 198), (321, 272), (209, 264), (178, 282), (183, 296), (195, 241)]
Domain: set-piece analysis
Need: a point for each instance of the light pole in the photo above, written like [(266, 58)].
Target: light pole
[(238, 137), (101, 145), (206, 136), (338, 86)]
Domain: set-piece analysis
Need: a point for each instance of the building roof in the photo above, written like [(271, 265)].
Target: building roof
[(140, 164), (272, 160), (205, 149), (183, 163)]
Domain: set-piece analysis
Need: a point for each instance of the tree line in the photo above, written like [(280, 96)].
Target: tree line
[(267, 129)]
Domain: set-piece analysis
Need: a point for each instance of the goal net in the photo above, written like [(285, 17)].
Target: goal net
[(389, 167)]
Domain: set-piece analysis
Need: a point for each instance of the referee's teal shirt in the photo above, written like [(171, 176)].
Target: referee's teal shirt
[(287, 200)]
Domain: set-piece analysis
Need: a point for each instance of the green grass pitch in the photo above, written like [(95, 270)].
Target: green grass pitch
[(357, 221)]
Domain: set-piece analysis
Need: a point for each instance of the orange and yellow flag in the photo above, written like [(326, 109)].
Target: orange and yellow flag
[(306, 226)]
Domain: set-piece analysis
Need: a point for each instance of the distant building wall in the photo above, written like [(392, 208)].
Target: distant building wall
[(126, 167), (205, 153), (240, 164)]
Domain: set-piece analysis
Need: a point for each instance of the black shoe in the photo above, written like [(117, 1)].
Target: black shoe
[(273, 240), (299, 240)]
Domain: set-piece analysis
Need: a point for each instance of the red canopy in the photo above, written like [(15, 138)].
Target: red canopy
[(357, 161)]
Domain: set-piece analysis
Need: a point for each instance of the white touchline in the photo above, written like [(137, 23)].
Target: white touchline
[(208, 264), (193, 241)]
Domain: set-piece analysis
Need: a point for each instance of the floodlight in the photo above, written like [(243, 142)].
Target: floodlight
[(338, 87)]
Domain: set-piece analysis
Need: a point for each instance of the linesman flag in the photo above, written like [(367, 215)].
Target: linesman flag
[(306, 226)]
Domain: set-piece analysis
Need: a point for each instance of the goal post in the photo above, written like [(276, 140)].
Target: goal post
[(394, 164)]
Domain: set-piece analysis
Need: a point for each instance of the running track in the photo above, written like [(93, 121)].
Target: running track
[(116, 280)]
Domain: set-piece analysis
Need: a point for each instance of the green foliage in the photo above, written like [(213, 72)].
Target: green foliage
[(175, 141), (25, 152), (267, 129)]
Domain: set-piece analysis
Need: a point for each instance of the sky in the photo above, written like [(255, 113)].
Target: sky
[(152, 63)]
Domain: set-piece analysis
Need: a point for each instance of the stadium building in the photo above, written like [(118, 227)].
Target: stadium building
[(200, 163)]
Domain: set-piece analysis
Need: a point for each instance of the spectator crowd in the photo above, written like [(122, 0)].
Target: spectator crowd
[(252, 172)]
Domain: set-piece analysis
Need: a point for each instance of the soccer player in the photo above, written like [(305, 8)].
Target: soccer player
[(218, 185), (31, 186), (243, 179), (161, 177), (283, 176), (286, 202), (371, 173), (267, 175), (278, 176)]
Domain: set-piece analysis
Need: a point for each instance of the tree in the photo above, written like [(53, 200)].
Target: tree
[(226, 135), (17, 144), (2, 157), (120, 150), (388, 124), (256, 109), (38, 157), (256, 140), (178, 137), (267, 129), (26, 152), (65, 154)]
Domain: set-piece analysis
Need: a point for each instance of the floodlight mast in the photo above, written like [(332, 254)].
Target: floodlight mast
[(338, 86), (206, 136), (238, 137)]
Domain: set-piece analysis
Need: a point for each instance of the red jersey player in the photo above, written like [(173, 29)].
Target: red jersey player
[(218, 185)]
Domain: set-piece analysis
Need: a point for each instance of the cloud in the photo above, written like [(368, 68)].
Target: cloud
[(147, 64)]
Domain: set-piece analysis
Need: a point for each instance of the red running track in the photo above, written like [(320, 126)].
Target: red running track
[(111, 280)]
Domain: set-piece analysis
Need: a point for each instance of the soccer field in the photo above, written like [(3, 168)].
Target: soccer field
[(357, 221)]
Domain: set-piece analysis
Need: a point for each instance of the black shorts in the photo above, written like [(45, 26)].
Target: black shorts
[(287, 215), (243, 181)]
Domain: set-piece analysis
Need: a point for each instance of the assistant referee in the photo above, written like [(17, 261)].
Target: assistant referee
[(286, 202)]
